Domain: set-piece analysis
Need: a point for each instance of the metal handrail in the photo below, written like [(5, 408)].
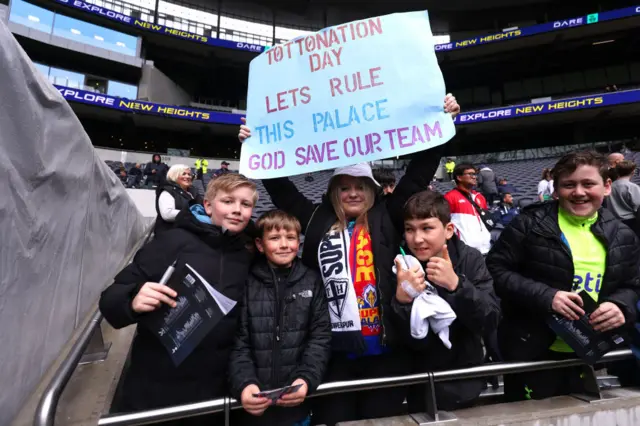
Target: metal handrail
[(48, 404), (45, 413), (218, 405)]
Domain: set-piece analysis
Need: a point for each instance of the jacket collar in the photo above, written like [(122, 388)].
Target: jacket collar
[(545, 221), (265, 274), (211, 234)]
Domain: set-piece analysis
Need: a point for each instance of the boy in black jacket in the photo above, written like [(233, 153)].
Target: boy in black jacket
[(548, 254), (461, 279), (209, 238), (284, 336)]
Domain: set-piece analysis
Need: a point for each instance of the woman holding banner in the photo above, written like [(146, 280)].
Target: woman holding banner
[(352, 238)]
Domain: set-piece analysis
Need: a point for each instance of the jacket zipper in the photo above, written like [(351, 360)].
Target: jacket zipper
[(307, 228), (276, 340), (379, 288), (221, 266)]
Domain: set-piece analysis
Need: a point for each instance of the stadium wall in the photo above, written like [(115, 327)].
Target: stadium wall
[(155, 86), (67, 225)]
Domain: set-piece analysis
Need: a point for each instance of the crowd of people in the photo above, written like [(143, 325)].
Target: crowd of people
[(392, 280), (155, 172)]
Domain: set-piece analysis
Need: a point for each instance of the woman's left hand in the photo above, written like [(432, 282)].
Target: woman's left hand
[(451, 105)]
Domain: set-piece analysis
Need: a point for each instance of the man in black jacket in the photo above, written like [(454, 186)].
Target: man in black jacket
[(462, 281), (210, 240), (284, 337), (549, 253), (155, 171)]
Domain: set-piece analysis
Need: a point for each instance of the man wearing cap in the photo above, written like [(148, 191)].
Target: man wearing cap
[(224, 169)]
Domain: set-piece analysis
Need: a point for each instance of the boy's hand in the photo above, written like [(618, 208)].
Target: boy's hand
[(607, 317), (295, 398), (245, 132), (151, 295), (568, 304), (440, 271), (251, 404), (415, 278)]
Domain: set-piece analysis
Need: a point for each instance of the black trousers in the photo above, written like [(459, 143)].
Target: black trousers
[(331, 409), (544, 383)]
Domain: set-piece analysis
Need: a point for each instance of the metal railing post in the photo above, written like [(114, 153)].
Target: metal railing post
[(227, 411), (97, 350)]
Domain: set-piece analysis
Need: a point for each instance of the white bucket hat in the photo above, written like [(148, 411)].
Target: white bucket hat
[(357, 170)]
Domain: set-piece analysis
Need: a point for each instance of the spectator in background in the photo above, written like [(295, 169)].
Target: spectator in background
[(156, 171), (386, 179), (135, 176), (549, 253), (488, 184), (624, 200), (506, 210), (449, 166), (464, 203), (224, 169), (122, 174), (545, 186), (201, 168), (613, 159), (505, 187), (176, 194)]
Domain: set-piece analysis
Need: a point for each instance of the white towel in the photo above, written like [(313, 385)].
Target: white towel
[(429, 310)]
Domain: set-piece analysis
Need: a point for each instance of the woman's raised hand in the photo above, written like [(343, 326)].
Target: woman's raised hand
[(451, 105), (245, 132)]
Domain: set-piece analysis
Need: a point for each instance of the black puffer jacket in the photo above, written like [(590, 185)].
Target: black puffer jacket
[(385, 225), (478, 312), (152, 380), (183, 199), (530, 264), (284, 334)]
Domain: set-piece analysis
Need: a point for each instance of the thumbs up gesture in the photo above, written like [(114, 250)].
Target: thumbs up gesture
[(440, 271)]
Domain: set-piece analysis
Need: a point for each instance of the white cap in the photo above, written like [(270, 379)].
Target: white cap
[(357, 170)]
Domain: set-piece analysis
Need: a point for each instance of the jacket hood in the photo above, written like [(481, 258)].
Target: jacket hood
[(263, 271)]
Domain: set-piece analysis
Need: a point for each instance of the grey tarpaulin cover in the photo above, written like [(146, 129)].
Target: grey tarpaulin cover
[(66, 224)]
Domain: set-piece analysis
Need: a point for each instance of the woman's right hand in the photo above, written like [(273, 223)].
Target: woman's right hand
[(413, 276), (151, 295), (245, 132)]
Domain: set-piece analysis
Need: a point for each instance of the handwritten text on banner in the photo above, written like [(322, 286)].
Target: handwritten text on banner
[(356, 92)]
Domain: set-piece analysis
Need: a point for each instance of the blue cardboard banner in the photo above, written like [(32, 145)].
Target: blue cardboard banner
[(141, 107), (356, 92), (561, 105), (540, 28), (160, 29)]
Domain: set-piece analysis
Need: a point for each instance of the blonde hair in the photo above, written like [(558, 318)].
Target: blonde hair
[(277, 219), (176, 171), (334, 197), (228, 183)]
